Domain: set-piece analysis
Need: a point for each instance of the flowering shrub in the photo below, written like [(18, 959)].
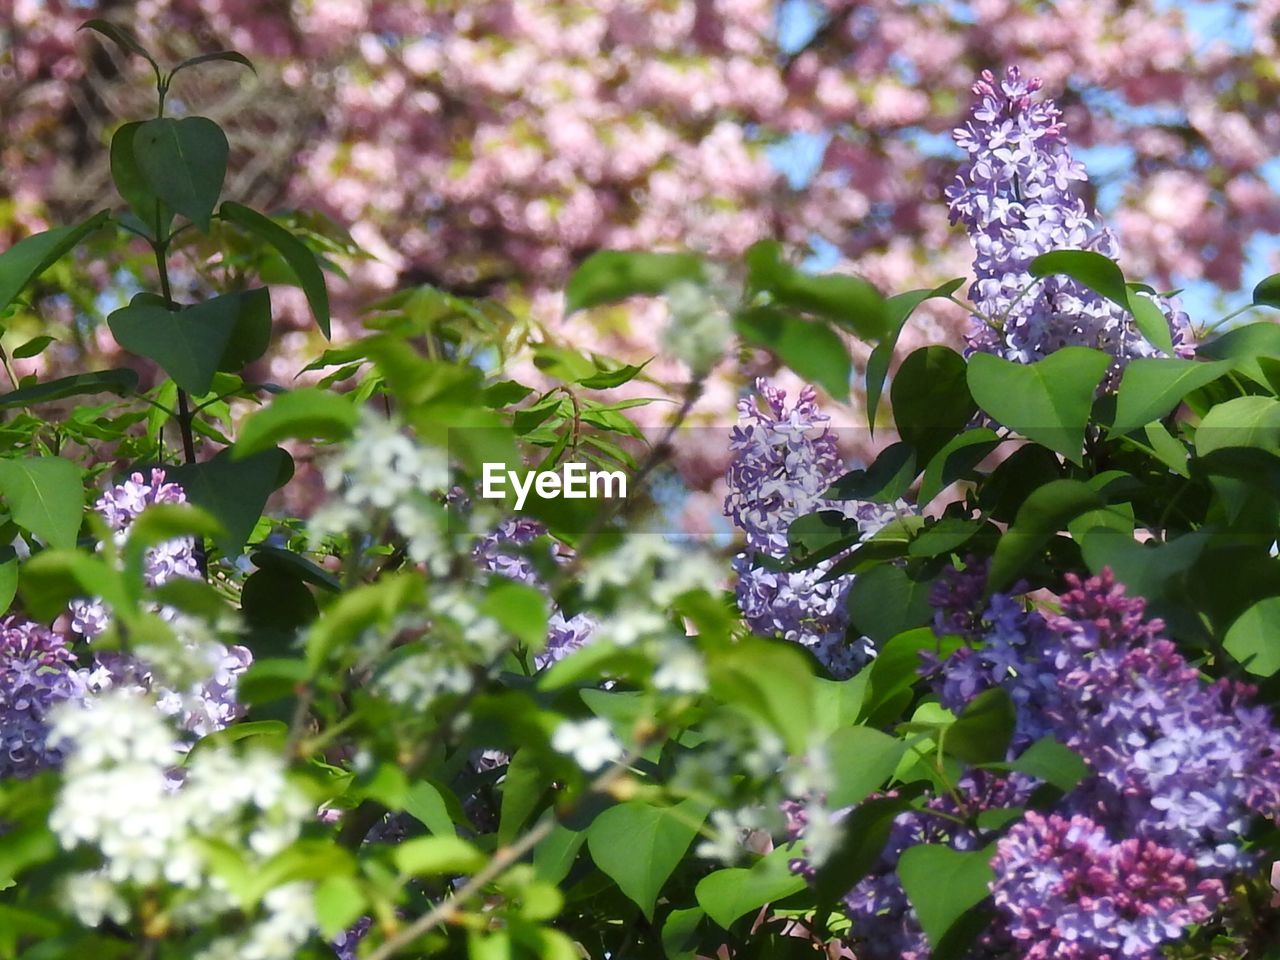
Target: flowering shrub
[(1005, 692)]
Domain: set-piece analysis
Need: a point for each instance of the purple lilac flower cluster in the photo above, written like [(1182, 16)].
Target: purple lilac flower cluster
[(205, 706), (37, 672), (1014, 196), (501, 552), (1178, 768), (784, 460)]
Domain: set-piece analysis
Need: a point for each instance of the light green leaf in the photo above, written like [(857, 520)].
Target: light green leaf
[(639, 846), (33, 255), (943, 884), (1153, 386), (611, 275), (1254, 639), (45, 496), (810, 348), (729, 894), (436, 855), (306, 414)]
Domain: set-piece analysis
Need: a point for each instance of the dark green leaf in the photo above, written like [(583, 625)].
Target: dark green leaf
[(46, 496), (1045, 512), (233, 490), (183, 162), (956, 461), (984, 728), (884, 481), (884, 601), (120, 382), (251, 334), (1100, 274), (607, 379), (229, 56), (811, 349), (296, 254), (1048, 401), (931, 401), (1053, 763), (187, 344), (1267, 292), (33, 347), (680, 934), (122, 37), (898, 310), (33, 255), (132, 185), (611, 275)]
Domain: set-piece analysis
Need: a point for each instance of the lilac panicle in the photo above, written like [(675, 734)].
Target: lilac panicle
[(784, 460), (37, 672), (501, 552), (211, 704), (1014, 195)]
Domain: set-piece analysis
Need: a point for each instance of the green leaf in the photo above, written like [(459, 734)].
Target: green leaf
[(1045, 512), (426, 804), (898, 310), (33, 347), (522, 789), (122, 37), (339, 902), (1100, 274), (1150, 321), (1053, 763), (639, 846), (611, 275), (183, 162), (296, 254), (813, 350), (862, 759), (680, 934), (1048, 401), (1245, 346), (1254, 639), (770, 679), (8, 583), (896, 667), (519, 609), (1242, 422), (120, 382), (1153, 386), (306, 414), (1267, 292), (45, 496), (52, 578), (251, 334), (729, 894), (931, 400), (234, 491), (436, 855), (850, 302), (884, 601), (984, 728), (187, 344), (863, 836), (887, 479), (607, 379), (956, 461), (943, 884), (553, 857), (229, 56), (33, 255), (132, 185)]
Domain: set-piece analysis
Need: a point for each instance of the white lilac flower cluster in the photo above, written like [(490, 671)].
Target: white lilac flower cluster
[(1014, 196), (784, 461), (383, 476), (194, 678), (153, 825), (698, 323)]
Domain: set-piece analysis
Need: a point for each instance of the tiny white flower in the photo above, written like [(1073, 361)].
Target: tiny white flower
[(591, 743), (681, 670)]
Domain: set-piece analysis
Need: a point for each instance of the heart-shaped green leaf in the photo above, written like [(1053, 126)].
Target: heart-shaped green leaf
[(183, 162)]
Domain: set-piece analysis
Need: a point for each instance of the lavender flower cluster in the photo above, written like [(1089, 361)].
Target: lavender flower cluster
[(784, 460), (37, 672), (1014, 196), (502, 552), (1178, 768)]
